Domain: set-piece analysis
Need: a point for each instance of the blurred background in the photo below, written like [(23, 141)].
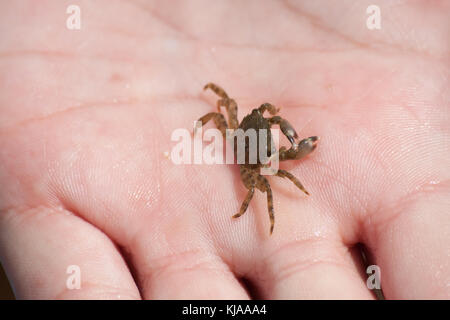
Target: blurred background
[(5, 289)]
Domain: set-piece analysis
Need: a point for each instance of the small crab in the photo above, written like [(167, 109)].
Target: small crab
[(250, 174)]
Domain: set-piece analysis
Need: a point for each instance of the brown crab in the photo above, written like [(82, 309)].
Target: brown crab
[(250, 174)]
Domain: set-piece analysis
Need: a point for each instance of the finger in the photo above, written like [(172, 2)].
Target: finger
[(183, 270), (411, 247), (45, 251), (311, 269)]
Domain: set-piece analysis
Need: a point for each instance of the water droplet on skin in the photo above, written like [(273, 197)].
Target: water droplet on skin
[(430, 185)]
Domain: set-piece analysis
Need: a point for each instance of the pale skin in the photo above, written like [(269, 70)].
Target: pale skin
[(87, 116)]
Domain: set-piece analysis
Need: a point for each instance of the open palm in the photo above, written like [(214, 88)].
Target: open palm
[(87, 117)]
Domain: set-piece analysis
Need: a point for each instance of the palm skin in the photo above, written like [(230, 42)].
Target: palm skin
[(88, 115)]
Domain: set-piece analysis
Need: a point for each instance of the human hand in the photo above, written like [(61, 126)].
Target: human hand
[(88, 115)]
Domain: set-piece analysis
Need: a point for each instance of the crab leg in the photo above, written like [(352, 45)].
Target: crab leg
[(290, 176), (246, 202), (231, 107), (219, 120), (270, 206), (269, 107), (226, 102), (264, 185), (218, 90)]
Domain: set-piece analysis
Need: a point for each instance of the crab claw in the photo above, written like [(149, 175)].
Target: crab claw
[(289, 131), (311, 142), (300, 150), (306, 146)]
